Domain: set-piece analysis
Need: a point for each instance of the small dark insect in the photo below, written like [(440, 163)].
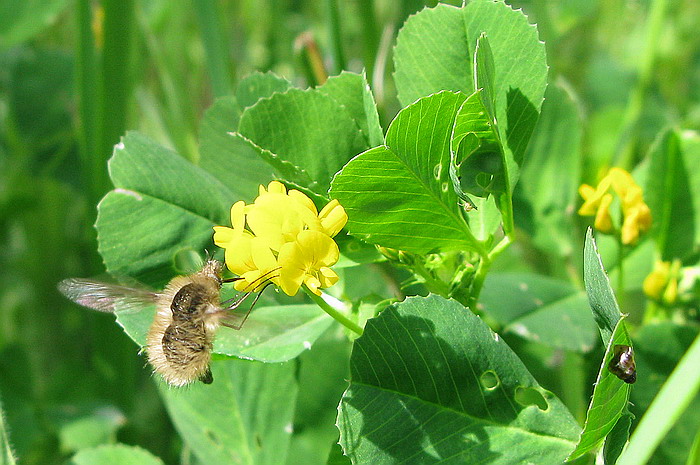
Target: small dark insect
[(622, 363), (188, 313)]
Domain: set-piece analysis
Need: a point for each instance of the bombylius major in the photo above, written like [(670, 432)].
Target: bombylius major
[(188, 313)]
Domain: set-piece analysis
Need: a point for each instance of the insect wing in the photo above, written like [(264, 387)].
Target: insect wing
[(105, 297)]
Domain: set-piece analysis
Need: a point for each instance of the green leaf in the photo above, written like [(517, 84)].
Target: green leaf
[(673, 193), (232, 160), (352, 92), (617, 439), (259, 85), (600, 295), (528, 305), (306, 129), (139, 236), (658, 349), (477, 166), (270, 334), (434, 51), (550, 175), (116, 454), (399, 195), (92, 428), (162, 205), (229, 159), (679, 390), (422, 392), (322, 376), (141, 165), (611, 394), (609, 402), (243, 417)]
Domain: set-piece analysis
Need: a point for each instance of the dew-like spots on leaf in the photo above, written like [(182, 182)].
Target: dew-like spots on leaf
[(527, 396), (445, 186), (489, 380), (307, 345)]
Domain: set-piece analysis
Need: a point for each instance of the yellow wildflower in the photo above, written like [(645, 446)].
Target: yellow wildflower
[(661, 284), (286, 240), (597, 201)]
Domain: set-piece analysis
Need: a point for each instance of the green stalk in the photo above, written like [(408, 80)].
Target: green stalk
[(336, 36), (117, 71), (337, 315), (370, 35), (88, 91), (674, 397), (657, 16), (214, 40), (483, 269)]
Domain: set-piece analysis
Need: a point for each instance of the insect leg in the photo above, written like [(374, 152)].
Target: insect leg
[(238, 302)]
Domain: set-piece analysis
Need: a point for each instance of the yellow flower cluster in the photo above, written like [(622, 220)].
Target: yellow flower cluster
[(597, 201), (661, 284), (281, 236)]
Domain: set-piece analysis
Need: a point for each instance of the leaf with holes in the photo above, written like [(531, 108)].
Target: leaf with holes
[(243, 417), (399, 195), (431, 383), (428, 62)]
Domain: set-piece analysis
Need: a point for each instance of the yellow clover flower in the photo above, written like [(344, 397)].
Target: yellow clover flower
[(661, 284), (597, 201), (287, 240)]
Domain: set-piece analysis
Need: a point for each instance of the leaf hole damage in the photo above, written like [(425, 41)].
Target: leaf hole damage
[(489, 380), (527, 396), (437, 171)]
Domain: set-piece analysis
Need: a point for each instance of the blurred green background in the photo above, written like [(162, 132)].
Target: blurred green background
[(76, 75)]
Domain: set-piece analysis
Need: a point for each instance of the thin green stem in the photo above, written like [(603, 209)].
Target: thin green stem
[(88, 90), (336, 37), (337, 315), (620, 272), (116, 77), (483, 269)]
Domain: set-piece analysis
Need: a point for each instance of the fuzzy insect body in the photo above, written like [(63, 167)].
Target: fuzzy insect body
[(188, 314)]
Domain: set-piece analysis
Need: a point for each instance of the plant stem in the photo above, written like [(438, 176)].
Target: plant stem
[(335, 36), (333, 312), (483, 270), (620, 272), (88, 90)]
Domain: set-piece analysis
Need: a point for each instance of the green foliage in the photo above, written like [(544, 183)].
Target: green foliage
[(422, 392), (462, 254)]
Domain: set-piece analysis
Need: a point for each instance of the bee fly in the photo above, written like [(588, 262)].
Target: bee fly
[(622, 363), (188, 313)]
